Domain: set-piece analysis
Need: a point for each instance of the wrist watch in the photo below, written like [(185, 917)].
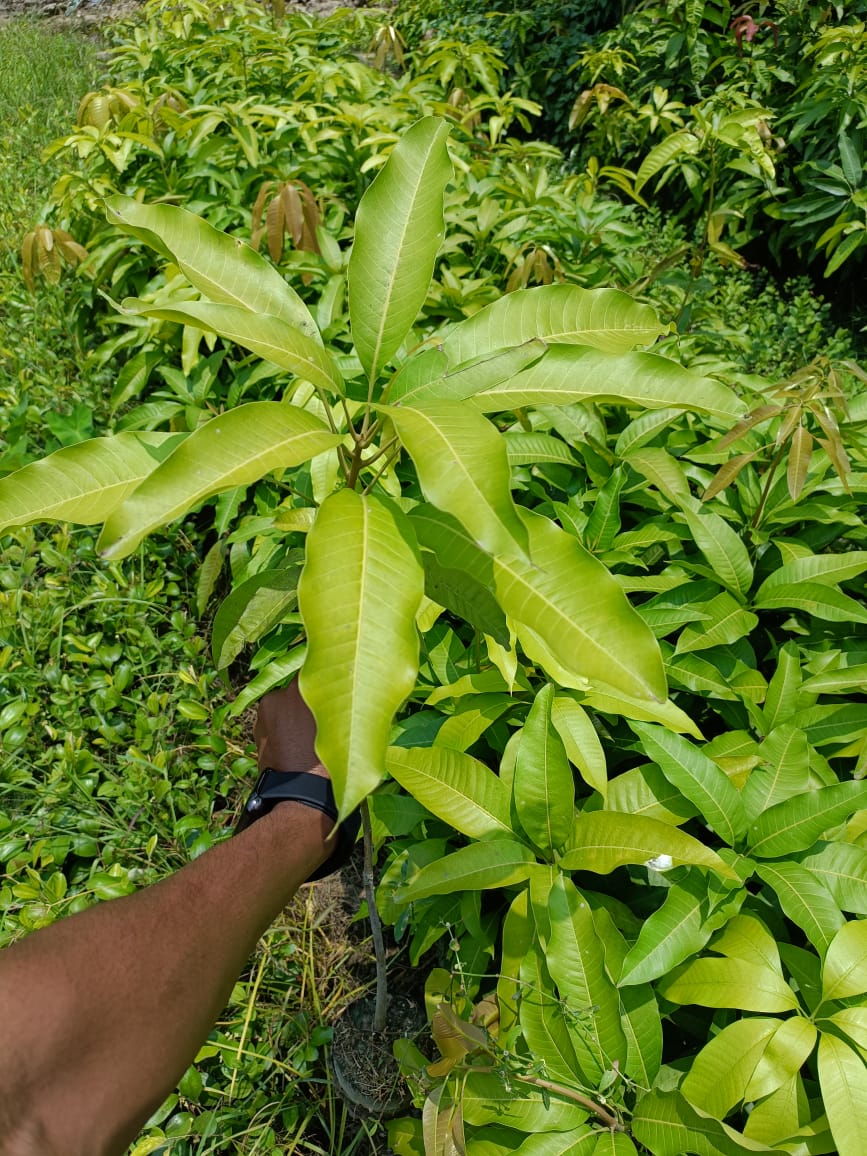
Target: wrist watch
[(314, 791)]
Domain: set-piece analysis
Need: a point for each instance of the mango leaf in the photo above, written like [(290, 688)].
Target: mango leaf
[(577, 965), (268, 337), (358, 596), (82, 483), (726, 622), (463, 468), (458, 575), (453, 786), (642, 1026), (720, 1074), (698, 778), (543, 788), (787, 752), (671, 934), (480, 866), (661, 156), (663, 471), (722, 547), (614, 1144), (845, 969), (398, 232), (837, 681), (570, 600), (486, 1100), (602, 698), (843, 1080), (604, 319), (603, 525), (409, 386), (804, 900), (581, 742), (223, 268), (796, 823), (842, 867), (542, 1019), (576, 1142), (824, 569), (518, 936), (669, 1126), (250, 610), (529, 449), (853, 1022), (577, 373), (825, 602), (788, 1050), (734, 983), (800, 454), (238, 447), (602, 841)]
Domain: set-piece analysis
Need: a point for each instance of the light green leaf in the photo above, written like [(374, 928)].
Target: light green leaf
[(250, 610), (605, 319), (661, 156), (576, 1142), (543, 1021), (486, 1100), (722, 1070), (842, 867), (669, 1126), (787, 755), (781, 702), (358, 597), (788, 1050), (577, 965), (275, 673), (581, 742), (796, 823), (269, 337), (530, 449), (722, 547), (804, 900), (602, 841), (845, 970), (727, 622), (663, 471), (671, 934), (398, 232), (410, 385), (603, 525), (843, 1080), (518, 936), (463, 468), (697, 777), (84, 482), (734, 983), (819, 569), (778, 1116), (223, 268), (614, 1144), (825, 602), (453, 786), (853, 1022), (572, 373), (745, 937), (642, 1026), (603, 699), (238, 447), (568, 597), (543, 788), (480, 866), (837, 681)]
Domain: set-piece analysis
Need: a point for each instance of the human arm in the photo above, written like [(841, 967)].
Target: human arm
[(103, 1012)]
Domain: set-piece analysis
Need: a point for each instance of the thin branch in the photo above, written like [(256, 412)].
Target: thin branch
[(388, 461), (603, 1114), (381, 1009)]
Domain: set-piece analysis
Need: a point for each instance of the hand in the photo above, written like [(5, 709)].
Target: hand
[(285, 733)]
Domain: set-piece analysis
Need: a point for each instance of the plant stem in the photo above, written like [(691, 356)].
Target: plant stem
[(381, 1009), (766, 489), (559, 1089)]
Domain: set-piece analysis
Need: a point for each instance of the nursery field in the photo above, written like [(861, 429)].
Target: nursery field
[(497, 372)]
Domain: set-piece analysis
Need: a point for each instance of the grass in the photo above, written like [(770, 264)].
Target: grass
[(115, 764)]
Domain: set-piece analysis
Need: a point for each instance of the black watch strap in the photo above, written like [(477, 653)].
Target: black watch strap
[(314, 791)]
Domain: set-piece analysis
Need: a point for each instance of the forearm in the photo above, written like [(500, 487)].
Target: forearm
[(102, 1013)]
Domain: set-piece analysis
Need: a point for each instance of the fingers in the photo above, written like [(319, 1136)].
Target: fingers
[(285, 732)]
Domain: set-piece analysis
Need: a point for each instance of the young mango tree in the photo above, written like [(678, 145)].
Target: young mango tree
[(398, 461)]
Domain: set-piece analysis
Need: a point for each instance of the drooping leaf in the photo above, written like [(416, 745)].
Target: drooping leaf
[(250, 610), (662, 155), (842, 867), (543, 788), (85, 482), (642, 1026), (825, 602), (800, 454), (223, 268), (698, 778), (269, 337), (669, 1126), (398, 232), (576, 1142), (488, 864), (843, 1080), (804, 900), (781, 701), (722, 547), (457, 788), (577, 373), (358, 596), (238, 447), (824, 569), (796, 823), (410, 387), (604, 319), (671, 934), (602, 841), (786, 1053), (543, 1020), (845, 969), (720, 1074), (486, 1100), (581, 742), (463, 468), (570, 600), (726, 622), (577, 965)]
